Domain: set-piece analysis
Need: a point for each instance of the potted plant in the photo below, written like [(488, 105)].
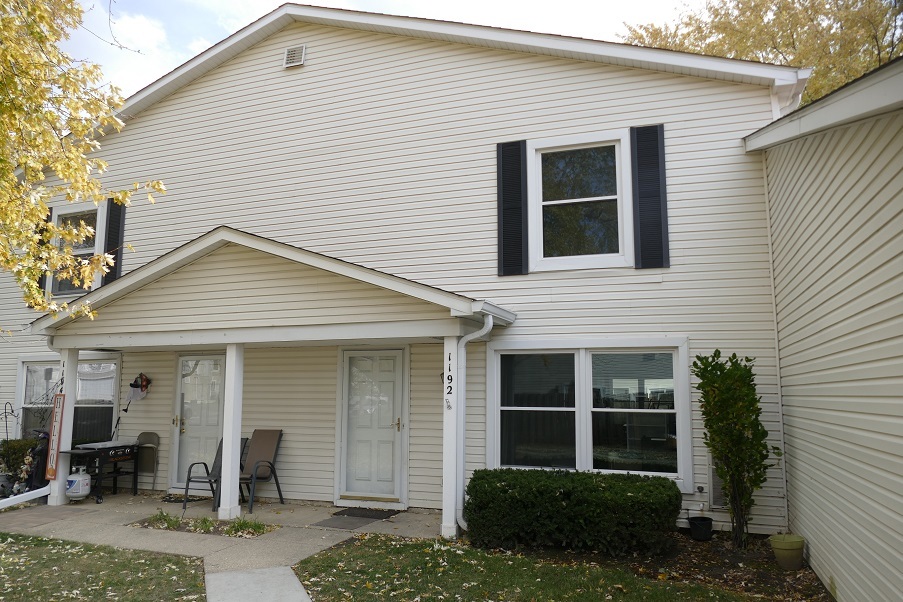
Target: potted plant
[(788, 550)]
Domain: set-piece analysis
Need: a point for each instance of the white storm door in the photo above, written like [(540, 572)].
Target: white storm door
[(373, 396), (198, 414)]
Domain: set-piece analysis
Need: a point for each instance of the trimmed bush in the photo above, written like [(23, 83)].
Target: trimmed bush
[(614, 514)]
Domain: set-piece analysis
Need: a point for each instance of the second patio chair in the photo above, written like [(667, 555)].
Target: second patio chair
[(260, 463)]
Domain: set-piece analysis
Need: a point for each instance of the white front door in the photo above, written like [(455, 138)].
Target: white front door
[(372, 407), (198, 414)]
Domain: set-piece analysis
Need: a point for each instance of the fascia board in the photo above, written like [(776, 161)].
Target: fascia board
[(876, 94), (775, 76)]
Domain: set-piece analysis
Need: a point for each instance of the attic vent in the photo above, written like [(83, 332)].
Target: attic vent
[(294, 57), (717, 495)]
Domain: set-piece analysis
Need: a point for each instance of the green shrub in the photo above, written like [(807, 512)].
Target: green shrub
[(734, 434), (12, 453), (614, 514)]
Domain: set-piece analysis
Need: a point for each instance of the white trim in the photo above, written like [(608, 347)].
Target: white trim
[(581, 347), (269, 335), (343, 498), (874, 94), (458, 305), (785, 82), (620, 139)]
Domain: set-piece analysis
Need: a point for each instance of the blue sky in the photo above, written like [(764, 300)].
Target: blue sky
[(163, 34)]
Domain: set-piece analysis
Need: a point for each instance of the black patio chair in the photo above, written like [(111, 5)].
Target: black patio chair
[(260, 464), (212, 475)]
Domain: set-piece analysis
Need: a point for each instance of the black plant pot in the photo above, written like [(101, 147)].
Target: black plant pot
[(700, 528)]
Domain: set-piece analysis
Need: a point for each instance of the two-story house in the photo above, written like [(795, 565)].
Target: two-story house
[(420, 248)]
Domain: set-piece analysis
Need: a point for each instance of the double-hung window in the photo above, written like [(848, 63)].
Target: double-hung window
[(622, 406), (82, 251), (96, 395), (593, 200), (578, 202), (108, 222)]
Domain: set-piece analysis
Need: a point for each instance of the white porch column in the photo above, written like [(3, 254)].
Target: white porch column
[(235, 367), (69, 370), (450, 428)]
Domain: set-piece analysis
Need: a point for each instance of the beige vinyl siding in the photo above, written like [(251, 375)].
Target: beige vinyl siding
[(236, 287), (294, 389), (836, 202), (381, 151), (155, 412), (426, 415), (425, 427)]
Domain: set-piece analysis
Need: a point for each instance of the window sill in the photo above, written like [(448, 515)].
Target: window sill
[(588, 262)]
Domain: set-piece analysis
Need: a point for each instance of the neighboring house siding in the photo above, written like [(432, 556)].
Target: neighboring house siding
[(836, 203), (381, 150)]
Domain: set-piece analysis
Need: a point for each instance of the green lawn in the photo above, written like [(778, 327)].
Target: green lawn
[(36, 569), (387, 568)]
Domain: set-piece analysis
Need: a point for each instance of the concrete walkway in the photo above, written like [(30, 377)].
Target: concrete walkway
[(235, 569)]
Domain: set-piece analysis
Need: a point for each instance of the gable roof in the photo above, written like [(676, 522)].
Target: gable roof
[(786, 83), (458, 305), (875, 93)]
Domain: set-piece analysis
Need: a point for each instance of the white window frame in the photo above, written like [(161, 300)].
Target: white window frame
[(583, 347), (624, 258), (100, 240), (86, 357)]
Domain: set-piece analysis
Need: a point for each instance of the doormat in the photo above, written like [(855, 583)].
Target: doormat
[(367, 513), (178, 498)]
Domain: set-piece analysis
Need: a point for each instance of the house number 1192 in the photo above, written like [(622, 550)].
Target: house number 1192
[(449, 379)]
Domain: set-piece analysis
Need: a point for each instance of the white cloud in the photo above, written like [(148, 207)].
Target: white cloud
[(199, 45), (132, 49), (232, 15)]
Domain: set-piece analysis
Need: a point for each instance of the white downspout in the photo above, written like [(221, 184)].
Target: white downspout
[(462, 413)]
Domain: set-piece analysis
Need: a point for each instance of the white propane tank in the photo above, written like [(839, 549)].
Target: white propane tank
[(78, 485)]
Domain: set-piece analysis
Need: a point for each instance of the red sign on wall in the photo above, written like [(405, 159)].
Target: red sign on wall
[(56, 424)]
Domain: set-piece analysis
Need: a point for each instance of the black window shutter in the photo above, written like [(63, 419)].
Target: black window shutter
[(512, 200), (113, 242), (650, 202)]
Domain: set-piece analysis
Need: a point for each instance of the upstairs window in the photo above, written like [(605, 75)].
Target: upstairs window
[(108, 222), (580, 202), (594, 200), (82, 251)]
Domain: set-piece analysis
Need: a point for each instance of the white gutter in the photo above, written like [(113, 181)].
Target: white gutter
[(462, 412)]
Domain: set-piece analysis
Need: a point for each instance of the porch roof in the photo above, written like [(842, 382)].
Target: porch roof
[(235, 287)]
